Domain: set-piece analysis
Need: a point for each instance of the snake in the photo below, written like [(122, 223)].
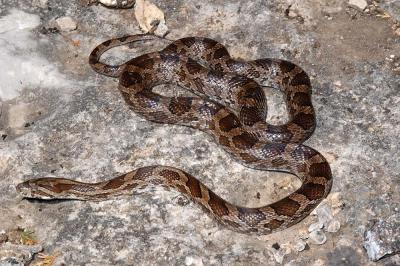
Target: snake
[(228, 102)]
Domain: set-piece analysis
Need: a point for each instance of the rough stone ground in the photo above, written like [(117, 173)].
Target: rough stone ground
[(59, 118)]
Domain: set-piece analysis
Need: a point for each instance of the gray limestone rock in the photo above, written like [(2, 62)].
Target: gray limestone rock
[(59, 118), (383, 238)]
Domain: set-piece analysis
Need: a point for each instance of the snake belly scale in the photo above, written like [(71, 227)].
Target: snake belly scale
[(229, 105)]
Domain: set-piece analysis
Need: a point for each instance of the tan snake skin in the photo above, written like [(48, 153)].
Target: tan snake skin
[(232, 108)]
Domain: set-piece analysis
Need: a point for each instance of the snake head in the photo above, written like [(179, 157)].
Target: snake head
[(40, 188)]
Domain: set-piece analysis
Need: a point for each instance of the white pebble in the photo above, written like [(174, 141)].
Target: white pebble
[(66, 24), (361, 4), (317, 237), (193, 260), (315, 226), (324, 213), (333, 226), (299, 245)]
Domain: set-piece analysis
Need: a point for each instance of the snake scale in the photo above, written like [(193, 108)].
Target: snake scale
[(229, 105)]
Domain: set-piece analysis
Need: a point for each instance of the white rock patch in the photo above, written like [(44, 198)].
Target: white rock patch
[(20, 65)]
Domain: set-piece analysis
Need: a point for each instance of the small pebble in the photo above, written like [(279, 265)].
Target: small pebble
[(324, 213), (317, 237), (193, 261), (118, 3), (333, 226), (361, 4), (66, 24), (315, 226), (299, 245), (337, 83)]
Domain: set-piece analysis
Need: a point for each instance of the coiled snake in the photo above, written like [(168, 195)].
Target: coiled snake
[(231, 107)]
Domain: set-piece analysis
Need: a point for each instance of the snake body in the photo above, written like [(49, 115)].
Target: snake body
[(230, 106)]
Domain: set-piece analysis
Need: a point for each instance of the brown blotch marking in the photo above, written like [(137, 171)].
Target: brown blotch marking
[(193, 67), (238, 80), (209, 43), (144, 62), (320, 170), (264, 63), (60, 187), (229, 122), (188, 42), (302, 99), (107, 43), (305, 121), (300, 79), (170, 175), (143, 173), (131, 186), (244, 141), (286, 66), (224, 141), (180, 105), (278, 162), (115, 182), (122, 39), (285, 80), (250, 115), (199, 85), (217, 204), (218, 67), (220, 52), (286, 206), (274, 224), (173, 48), (312, 191), (252, 217), (181, 188), (130, 78), (194, 186), (254, 92), (248, 157)]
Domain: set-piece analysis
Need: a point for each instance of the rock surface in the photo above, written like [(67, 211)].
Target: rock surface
[(59, 118)]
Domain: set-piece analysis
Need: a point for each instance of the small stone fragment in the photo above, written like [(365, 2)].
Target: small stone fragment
[(117, 3), (324, 213), (333, 226), (360, 4), (279, 254), (193, 261), (315, 226), (150, 18), (14, 254), (337, 83), (317, 237), (300, 245), (66, 24), (3, 237), (383, 238)]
